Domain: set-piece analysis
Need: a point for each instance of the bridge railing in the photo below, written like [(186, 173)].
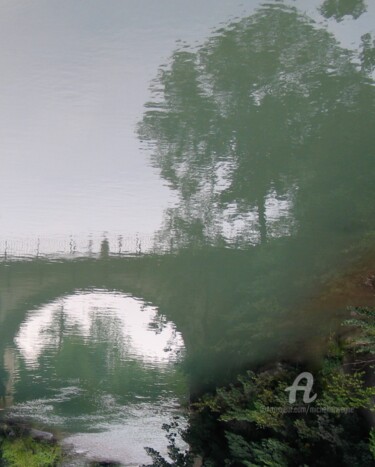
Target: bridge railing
[(75, 246)]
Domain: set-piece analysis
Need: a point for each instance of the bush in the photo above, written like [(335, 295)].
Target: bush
[(26, 452)]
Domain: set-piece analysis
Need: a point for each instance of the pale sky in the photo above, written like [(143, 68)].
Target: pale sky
[(75, 76)]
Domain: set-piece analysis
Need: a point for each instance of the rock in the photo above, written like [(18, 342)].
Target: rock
[(41, 435)]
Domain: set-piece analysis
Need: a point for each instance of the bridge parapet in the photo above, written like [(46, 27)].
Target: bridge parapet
[(75, 246)]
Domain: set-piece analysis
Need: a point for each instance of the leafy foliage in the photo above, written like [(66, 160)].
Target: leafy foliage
[(179, 458), (339, 8), (251, 116), (251, 422), (364, 321), (26, 452), (346, 390)]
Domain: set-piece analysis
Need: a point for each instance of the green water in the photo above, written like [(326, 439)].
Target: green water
[(193, 221)]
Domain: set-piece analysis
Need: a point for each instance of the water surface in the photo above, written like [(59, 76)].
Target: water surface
[(186, 190), (97, 362)]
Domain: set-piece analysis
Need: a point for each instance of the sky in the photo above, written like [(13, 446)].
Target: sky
[(75, 77)]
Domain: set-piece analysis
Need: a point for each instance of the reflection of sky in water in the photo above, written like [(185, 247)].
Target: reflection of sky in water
[(114, 406), (73, 84), (278, 214), (118, 432), (134, 328)]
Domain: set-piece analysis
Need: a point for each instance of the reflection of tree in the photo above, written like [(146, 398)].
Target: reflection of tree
[(368, 53), (339, 8), (3, 378), (266, 130), (232, 125), (104, 248)]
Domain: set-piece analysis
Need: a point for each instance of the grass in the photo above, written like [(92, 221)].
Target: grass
[(26, 452)]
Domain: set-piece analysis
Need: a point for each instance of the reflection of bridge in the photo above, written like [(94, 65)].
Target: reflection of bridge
[(229, 310), (74, 246), (189, 289), (25, 285)]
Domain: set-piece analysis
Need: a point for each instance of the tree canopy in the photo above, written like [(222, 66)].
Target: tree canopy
[(244, 127)]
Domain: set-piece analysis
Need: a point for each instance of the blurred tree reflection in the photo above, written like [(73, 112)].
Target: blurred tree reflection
[(3, 378), (339, 8), (368, 53), (243, 129)]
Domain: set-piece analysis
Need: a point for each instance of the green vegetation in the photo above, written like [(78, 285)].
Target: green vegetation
[(364, 320), (253, 423), (270, 107), (338, 9), (27, 452)]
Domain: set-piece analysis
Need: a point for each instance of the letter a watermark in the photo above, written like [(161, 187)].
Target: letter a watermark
[(306, 388)]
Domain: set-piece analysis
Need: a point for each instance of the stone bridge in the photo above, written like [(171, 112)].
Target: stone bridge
[(215, 298), (26, 285)]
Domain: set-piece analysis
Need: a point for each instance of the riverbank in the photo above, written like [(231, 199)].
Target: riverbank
[(255, 421), (22, 445)]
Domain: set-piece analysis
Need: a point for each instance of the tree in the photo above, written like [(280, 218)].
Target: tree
[(232, 125), (339, 8)]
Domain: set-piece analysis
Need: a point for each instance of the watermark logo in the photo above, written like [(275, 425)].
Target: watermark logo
[(307, 388), (304, 382)]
